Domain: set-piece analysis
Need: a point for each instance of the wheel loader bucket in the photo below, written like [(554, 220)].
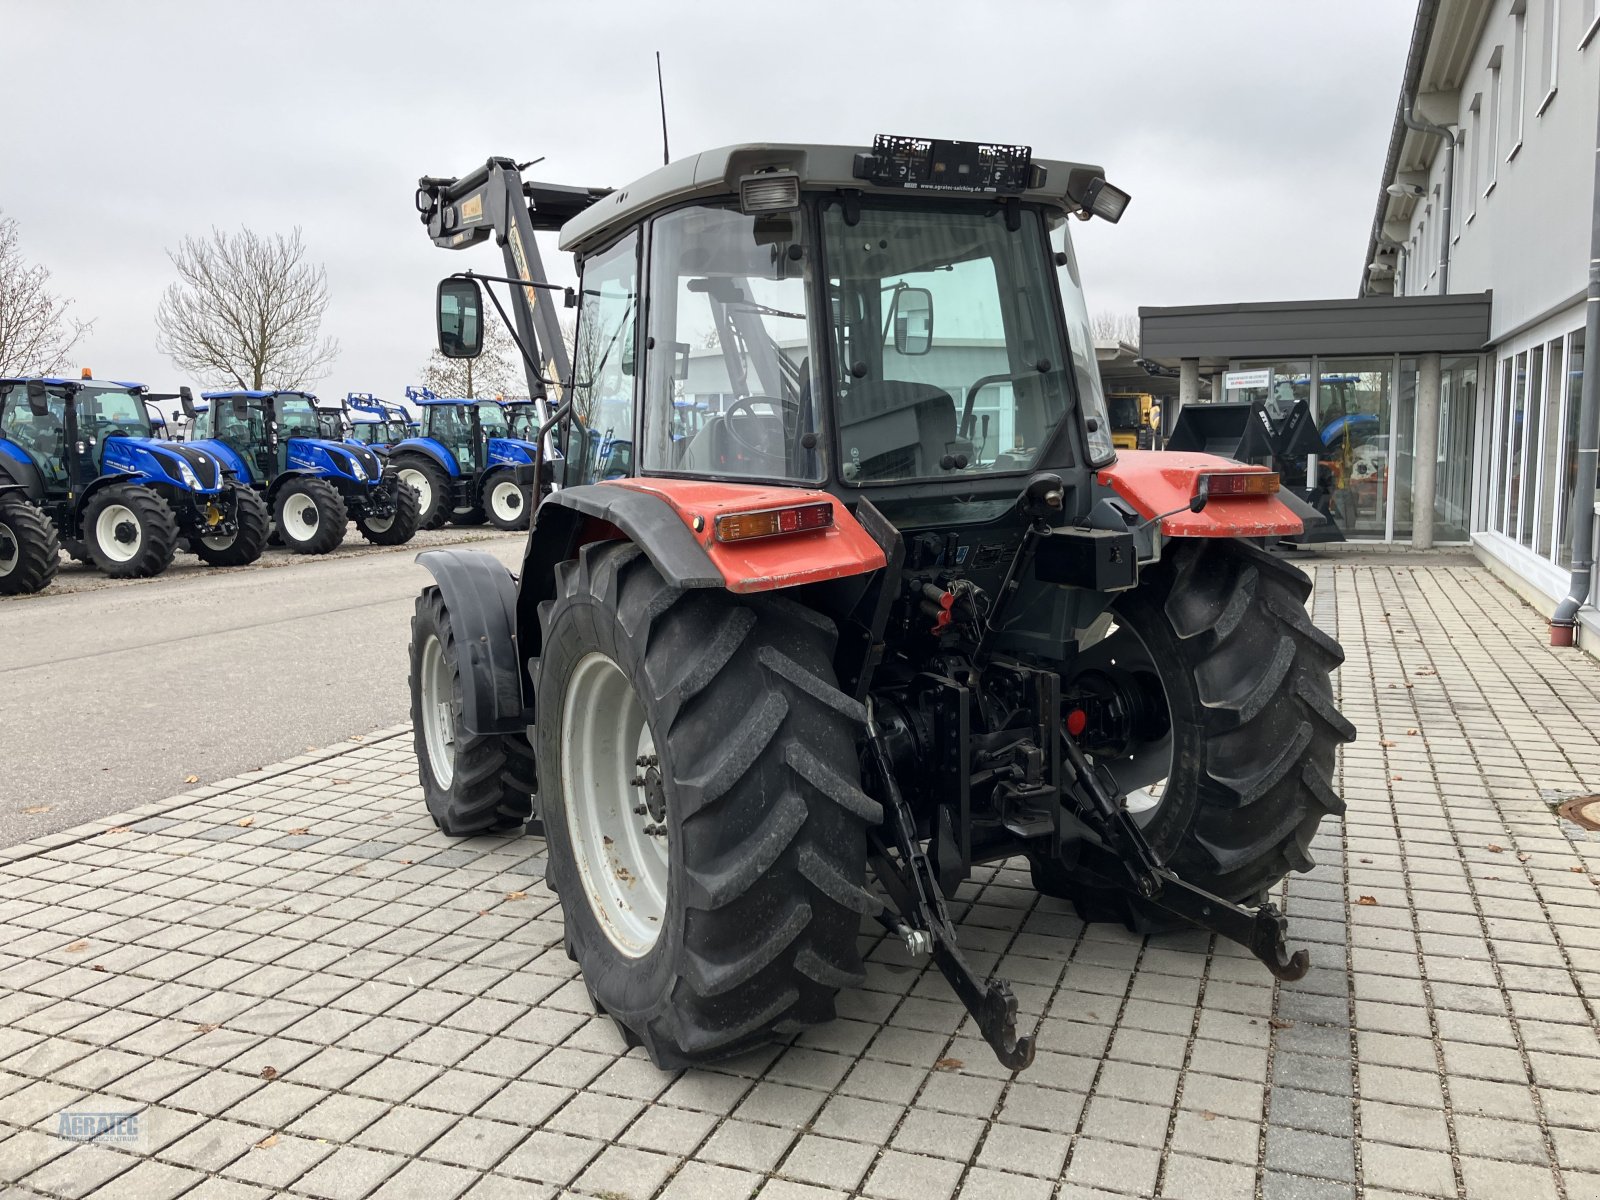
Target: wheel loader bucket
[(1222, 429)]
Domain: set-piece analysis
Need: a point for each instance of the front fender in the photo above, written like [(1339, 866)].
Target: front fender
[(481, 595), (1156, 482)]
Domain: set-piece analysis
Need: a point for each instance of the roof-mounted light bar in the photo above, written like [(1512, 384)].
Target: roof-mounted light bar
[(939, 165), (769, 191), (1100, 199)]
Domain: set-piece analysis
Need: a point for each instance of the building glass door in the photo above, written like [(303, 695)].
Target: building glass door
[(1458, 419), (1354, 398)]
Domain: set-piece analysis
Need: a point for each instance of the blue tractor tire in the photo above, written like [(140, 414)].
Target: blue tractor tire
[(310, 516), (506, 502), (395, 530), (129, 531), (247, 542), (30, 555), (432, 484)]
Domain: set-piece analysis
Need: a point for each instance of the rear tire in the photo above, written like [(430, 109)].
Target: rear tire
[(310, 516), (398, 529), (472, 515), (249, 539), (761, 892), (505, 501), (30, 553), (471, 784), (1246, 677), (432, 484), (130, 532)]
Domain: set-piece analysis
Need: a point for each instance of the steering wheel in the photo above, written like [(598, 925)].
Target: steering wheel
[(115, 431), (742, 404)]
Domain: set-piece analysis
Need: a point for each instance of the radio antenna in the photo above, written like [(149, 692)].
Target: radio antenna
[(661, 91)]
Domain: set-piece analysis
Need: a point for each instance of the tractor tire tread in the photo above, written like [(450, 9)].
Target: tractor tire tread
[(38, 548), (158, 524), (255, 522)]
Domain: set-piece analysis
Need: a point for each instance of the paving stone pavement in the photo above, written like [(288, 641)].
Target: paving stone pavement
[(290, 984)]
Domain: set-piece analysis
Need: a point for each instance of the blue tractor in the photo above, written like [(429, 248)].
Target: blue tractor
[(377, 423), (469, 464), (313, 485), (83, 455)]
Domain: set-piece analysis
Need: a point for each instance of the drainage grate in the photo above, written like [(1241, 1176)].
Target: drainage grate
[(1581, 810)]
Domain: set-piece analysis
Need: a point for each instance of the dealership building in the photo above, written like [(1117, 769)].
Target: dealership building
[(1446, 388)]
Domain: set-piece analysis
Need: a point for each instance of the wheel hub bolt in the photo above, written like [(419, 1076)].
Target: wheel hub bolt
[(637, 781), (639, 810)]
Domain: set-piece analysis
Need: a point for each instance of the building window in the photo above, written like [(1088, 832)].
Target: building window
[(1519, 77), (1497, 470), (1474, 128), (1549, 54), (1550, 451), (1458, 421), (1492, 155), (1591, 22), (1569, 458), (1533, 416), (1514, 480)]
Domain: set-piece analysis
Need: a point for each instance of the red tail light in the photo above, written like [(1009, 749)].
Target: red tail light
[(771, 522), (1238, 483)]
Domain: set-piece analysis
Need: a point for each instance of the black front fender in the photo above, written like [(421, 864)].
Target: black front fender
[(481, 595)]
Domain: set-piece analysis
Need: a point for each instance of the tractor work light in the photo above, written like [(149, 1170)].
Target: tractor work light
[(1238, 483), (771, 522), (772, 191), (1103, 200)]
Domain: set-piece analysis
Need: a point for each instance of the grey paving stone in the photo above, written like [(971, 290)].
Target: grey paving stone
[(1316, 1111), (1305, 1153)]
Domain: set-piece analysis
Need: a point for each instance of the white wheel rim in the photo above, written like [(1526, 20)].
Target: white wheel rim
[(419, 483), (10, 550), (118, 533), (438, 718), (300, 517), (379, 524), (219, 543), (605, 745), (505, 500), (1142, 803)]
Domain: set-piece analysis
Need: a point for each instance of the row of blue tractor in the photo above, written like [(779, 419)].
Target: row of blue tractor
[(85, 466), (474, 461)]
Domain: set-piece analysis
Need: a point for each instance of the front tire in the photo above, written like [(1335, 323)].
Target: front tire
[(726, 710), (506, 502), (471, 783), (30, 553), (130, 532), (400, 526), (1254, 730), (432, 485), (310, 516), (247, 543)]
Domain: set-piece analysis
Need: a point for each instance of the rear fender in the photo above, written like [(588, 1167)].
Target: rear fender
[(284, 478), (1156, 482), (481, 595), (427, 448), (659, 515), (17, 467)]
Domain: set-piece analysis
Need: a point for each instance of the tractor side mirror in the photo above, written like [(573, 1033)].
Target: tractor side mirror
[(460, 318), (186, 399), (911, 317), (38, 399)]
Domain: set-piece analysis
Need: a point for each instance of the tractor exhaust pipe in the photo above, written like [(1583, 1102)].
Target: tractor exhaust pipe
[(1563, 624)]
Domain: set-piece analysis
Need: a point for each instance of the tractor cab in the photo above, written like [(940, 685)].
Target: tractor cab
[(372, 422)]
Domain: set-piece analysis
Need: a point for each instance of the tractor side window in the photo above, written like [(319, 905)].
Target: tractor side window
[(42, 437), (729, 386), (599, 431), (1091, 395)]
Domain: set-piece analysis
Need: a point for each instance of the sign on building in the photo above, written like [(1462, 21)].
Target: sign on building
[(1233, 381)]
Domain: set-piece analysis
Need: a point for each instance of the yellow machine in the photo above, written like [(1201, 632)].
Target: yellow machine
[(1134, 419)]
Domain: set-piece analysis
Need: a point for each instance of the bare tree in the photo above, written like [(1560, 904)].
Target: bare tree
[(247, 310), (1116, 327), (36, 334), (498, 371)]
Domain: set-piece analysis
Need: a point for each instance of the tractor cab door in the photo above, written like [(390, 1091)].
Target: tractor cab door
[(596, 440), (42, 436), (453, 427), (491, 423), (245, 428)]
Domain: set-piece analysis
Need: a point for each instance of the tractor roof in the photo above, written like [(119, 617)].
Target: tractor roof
[(53, 381), (255, 395), (717, 173)]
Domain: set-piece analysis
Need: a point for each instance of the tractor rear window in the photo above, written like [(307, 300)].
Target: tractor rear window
[(947, 351)]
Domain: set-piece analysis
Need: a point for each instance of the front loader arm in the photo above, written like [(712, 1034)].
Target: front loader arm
[(494, 199)]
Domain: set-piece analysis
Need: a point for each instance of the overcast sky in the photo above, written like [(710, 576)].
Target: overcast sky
[(1251, 133)]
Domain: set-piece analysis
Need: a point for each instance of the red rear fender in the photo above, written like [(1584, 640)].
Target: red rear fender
[(1158, 481)]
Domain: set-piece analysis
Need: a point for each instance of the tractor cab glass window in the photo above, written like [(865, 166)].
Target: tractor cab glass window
[(42, 436), (451, 426), (730, 389), (104, 412), (1085, 369), (297, 417), (598, 434), (971, 375), (492, 421)]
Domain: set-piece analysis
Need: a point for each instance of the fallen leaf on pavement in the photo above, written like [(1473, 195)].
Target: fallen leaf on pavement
[(948, 1064), (1523, 856), (300, 831), (1495, 849), (356, 737), (1411, 733), (191, 779), (97, 967), (120, 829), (269, 1072), (246, 822), (1385, 742), (516, 895), (1576, 870), (340, 782), (1280, 1023), (37, 808), (77, 947), (207, 1028), (1367, 901), (1207, 1115), (267, 1142)]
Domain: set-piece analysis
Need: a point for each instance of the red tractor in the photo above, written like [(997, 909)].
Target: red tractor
[(893, 608)]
